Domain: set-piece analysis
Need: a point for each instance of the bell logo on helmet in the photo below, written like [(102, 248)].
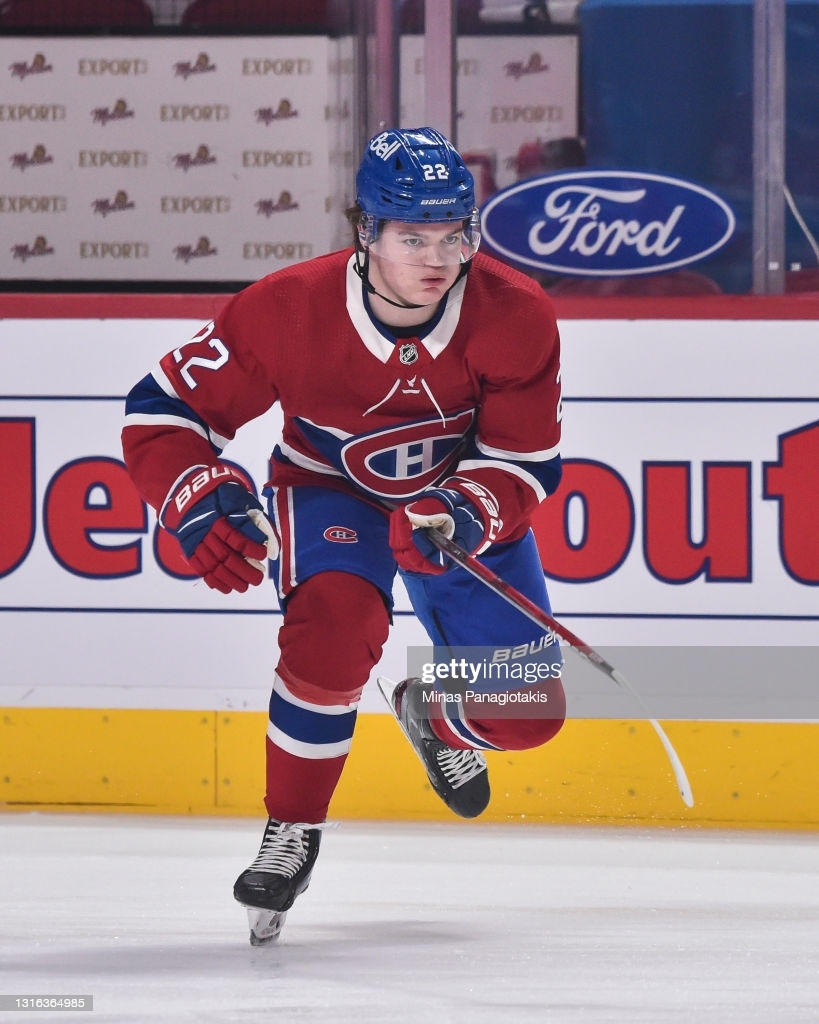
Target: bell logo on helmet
[(382, 146)]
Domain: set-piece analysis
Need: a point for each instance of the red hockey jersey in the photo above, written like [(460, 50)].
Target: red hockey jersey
[(477, 397)]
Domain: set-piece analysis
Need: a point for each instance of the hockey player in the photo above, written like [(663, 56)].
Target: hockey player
[(420, 388)]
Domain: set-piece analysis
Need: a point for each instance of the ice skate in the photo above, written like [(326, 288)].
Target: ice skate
[(280, 873), (459, 777)]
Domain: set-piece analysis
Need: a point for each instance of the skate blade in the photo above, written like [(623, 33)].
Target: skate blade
[(387, 688), (265, 925)]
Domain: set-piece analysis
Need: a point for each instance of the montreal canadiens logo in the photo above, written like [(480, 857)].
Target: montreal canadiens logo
[(401, 461), (341, 535), (606, 223)]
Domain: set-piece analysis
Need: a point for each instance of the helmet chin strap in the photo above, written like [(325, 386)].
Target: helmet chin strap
[(363, 273)]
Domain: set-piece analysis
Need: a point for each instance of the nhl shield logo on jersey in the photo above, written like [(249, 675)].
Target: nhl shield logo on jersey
[(408, 353)]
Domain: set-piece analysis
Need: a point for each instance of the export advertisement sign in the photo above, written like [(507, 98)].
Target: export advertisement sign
[(168, 159)]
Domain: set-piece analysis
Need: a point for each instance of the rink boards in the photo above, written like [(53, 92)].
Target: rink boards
[(126, 686), (749, 774)]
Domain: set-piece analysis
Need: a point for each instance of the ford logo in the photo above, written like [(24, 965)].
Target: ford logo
[(606, 223)]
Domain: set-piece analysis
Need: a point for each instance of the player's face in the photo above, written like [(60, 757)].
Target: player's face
[(416, 263)]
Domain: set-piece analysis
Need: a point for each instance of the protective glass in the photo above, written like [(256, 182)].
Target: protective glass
[(434, 244)]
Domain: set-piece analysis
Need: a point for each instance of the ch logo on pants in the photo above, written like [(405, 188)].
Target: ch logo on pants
[(341, 535)]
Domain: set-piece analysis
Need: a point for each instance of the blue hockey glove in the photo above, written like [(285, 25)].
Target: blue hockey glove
[(221, 527)]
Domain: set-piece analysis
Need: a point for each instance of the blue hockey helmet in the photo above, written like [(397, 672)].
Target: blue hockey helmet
[(414, 175)]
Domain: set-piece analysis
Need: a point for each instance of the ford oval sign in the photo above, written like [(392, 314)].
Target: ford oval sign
[(606, 223)]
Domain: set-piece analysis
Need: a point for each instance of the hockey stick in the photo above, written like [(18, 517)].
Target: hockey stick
[(543, 619)]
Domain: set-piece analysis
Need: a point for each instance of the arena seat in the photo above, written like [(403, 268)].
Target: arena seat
[(272, 15), (468, 15), (75, 14)]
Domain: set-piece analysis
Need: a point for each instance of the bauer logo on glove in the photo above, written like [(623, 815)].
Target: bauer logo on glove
[(202, 480), (224, 534)]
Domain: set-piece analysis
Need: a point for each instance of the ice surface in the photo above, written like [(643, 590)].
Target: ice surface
[(451, 924)]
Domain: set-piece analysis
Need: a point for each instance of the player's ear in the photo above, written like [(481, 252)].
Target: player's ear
[(367, 229)]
